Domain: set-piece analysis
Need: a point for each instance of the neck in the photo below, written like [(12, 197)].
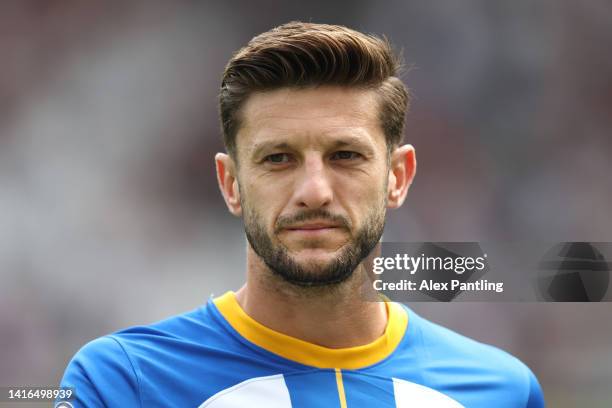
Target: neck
[(349, 320)]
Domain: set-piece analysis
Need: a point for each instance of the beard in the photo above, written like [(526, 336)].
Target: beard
[(283, 265)]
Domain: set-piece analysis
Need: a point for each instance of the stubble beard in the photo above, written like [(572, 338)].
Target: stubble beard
[(310, 274)]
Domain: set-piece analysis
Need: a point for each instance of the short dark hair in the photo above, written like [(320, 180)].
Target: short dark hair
[(300, 54)]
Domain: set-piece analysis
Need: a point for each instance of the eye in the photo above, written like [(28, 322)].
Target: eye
[(277, 158), (345, 155)]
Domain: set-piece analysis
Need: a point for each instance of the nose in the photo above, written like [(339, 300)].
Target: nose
[(313, 188)]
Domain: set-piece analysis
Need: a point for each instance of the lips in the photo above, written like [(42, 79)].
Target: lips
[(312, 227), (312, 231), (311, 224)]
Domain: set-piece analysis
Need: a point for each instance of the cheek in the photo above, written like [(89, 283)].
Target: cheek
[(360, 197), (263, 203)]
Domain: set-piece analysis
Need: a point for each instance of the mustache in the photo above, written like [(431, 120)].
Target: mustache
[(319, 214)]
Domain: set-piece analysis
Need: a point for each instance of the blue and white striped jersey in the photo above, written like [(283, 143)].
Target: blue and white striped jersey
[(218, 357)]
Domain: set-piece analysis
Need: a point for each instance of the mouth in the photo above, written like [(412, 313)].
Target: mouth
[(313, 228)]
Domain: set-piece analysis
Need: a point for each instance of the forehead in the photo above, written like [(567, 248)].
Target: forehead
[(311, 115)]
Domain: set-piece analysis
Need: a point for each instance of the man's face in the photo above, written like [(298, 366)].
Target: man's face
[(312, 174)]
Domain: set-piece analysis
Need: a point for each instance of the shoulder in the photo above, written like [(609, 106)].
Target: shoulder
[(110, 368), (101, 372), (440, 342), (449, 358), (136, 342)]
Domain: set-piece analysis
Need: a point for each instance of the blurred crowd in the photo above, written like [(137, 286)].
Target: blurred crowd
[(109, 210)]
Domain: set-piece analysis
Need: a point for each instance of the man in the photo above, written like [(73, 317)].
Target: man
[(312, 119)]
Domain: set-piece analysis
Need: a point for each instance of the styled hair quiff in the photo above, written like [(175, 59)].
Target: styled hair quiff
[(300, 54)]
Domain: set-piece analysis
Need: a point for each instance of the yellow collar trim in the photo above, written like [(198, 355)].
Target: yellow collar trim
[(310, 354)]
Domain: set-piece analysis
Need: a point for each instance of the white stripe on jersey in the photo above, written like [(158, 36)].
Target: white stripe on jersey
[(409, 394), (269, 392)]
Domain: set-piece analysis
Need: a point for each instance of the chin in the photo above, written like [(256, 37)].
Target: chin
[(315, 256)]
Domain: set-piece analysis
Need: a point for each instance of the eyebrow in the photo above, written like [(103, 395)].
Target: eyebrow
[(258, 148), (342, 142), (353, 141)]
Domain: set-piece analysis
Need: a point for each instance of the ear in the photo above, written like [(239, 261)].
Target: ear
[(228, 183), (401, 174)]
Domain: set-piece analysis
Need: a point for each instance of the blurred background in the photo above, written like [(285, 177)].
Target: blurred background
[(110, 214)]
